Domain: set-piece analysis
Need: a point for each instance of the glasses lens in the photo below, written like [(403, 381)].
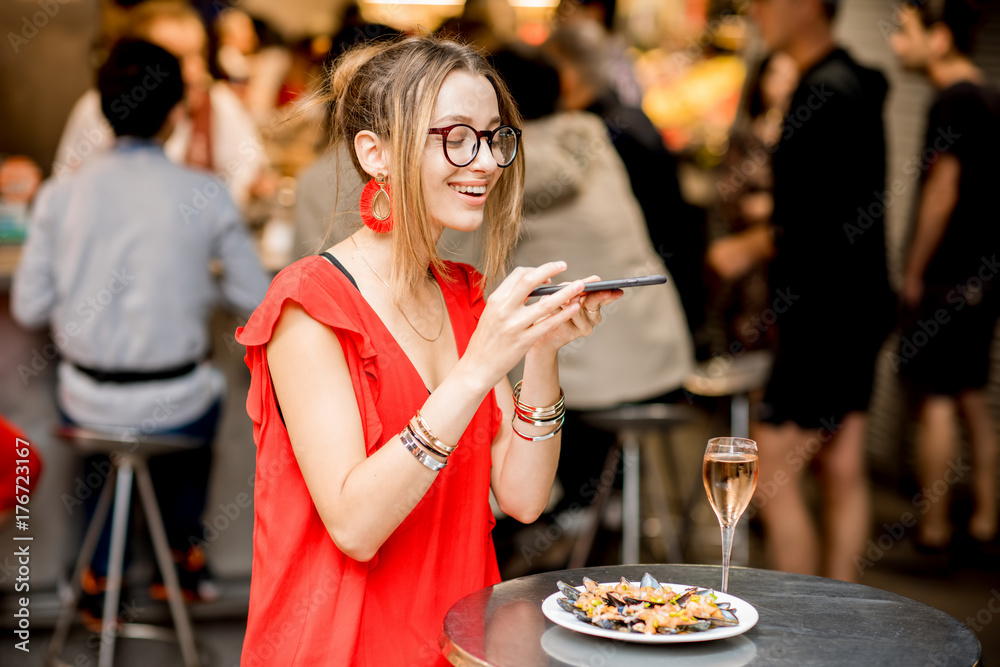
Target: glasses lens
[(504, 145), (460, 145)]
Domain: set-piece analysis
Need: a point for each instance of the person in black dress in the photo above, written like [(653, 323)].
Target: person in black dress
[(830, 292), (949, 291)]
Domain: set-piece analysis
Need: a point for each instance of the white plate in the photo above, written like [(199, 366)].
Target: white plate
[(744, 611)]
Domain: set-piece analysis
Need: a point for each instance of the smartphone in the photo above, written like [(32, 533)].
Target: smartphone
[(599, 285)]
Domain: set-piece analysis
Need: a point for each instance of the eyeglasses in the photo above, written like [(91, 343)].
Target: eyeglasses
[(461, 143)]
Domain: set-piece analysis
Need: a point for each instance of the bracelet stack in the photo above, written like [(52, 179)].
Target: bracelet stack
[(547, 416), (418, 439)]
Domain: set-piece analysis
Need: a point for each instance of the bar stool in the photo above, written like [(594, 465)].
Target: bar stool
[(631, 423), (735, 377), (129, 456)]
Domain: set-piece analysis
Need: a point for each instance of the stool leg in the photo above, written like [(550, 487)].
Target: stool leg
[(668, 527), (630, 498), (586, 539), (185, 636), (739, 411), (90, 539), (119, 533)]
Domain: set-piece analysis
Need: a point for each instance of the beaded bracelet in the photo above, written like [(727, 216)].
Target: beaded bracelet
[(411, 442)]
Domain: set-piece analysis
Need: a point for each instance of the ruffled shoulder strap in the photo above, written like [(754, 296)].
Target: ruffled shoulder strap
[(328, 297), (322, 291)]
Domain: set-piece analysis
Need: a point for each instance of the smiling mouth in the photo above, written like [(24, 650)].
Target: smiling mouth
[(473, 190)]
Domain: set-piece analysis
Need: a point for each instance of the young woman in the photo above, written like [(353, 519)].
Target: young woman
[(382, 413)]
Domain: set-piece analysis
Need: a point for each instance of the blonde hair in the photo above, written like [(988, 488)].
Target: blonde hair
[(390, 88)]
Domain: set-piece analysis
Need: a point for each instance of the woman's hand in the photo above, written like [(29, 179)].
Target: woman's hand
[(581, 323), (509, 326)]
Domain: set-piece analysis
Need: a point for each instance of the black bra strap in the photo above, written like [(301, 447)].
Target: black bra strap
[(333, 260)]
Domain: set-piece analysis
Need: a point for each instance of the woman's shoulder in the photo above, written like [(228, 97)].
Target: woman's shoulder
[(315, 285)]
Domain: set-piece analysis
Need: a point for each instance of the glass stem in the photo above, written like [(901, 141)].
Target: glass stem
[(727, 548)]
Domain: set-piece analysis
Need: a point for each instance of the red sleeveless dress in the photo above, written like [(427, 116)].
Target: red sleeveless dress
[(309, 603)]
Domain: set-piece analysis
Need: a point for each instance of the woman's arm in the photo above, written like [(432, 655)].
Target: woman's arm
[(523, 471), (362, 499)]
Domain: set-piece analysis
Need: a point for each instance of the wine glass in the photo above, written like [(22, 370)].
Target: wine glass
[(730, 476)]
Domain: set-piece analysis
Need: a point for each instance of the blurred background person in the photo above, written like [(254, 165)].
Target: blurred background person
[(253, 59), (578, 204), (216, 133), (489, 25), (825, 278), (579, 50), (354, 29), (324, 214), (745, 188), (113, 261), (601, 14), (950, 297)]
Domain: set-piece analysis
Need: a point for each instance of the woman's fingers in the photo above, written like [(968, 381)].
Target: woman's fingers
[(532, 278)]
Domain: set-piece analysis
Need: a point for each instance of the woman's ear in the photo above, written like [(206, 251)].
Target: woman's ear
[(373, 154)]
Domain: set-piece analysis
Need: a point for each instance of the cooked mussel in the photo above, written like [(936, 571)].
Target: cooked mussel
[(683, 599), (615, 600), (567, 590), (573, 609), (700, 626)]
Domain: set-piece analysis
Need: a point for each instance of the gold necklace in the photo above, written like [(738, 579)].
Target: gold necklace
[(444, 307)]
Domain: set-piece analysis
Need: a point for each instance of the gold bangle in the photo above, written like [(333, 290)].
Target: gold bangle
[(432, 439), (424, 443), (558, 406)]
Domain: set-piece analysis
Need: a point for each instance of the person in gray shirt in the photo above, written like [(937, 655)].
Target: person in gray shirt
[(117, 263)]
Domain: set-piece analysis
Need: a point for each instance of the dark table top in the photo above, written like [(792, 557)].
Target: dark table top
[(804, 620)]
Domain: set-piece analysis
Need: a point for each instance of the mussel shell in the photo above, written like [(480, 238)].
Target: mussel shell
[(567, 590), (631, 601), (615, 600), (663, 630), (729, 615), (573, 609), (589, 584), (610, 624), (700, 626), (682, 600), (648, 581)]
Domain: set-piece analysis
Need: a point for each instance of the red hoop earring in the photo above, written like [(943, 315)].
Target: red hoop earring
[(376, 209)]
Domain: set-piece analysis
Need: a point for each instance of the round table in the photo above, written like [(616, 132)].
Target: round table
[(803, 620)]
